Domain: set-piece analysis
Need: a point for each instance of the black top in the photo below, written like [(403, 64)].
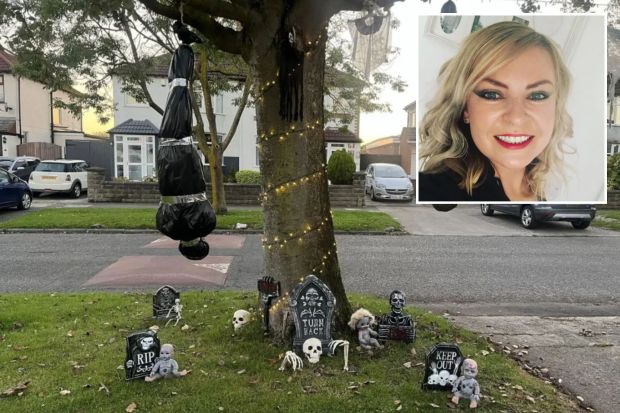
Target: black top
[(444, 187)]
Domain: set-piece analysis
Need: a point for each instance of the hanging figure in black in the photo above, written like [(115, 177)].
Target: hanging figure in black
[(185, 214)]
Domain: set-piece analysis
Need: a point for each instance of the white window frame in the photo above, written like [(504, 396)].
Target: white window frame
[(2, 97), (125, 140), (614, 149)]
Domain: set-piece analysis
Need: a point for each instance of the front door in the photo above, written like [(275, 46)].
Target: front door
[(135, 157)]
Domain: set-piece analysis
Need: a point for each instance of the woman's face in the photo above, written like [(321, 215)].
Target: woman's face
[(511, 112)]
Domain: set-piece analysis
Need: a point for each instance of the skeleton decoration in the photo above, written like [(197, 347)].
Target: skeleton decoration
[(240, 319), (142, 350), (165, 367), (345, 345), (293, 360), (397, 325), (163, 302), (362, 320), (184, 213), (467, 386), (268, 291), (442, 367), (177, 308)]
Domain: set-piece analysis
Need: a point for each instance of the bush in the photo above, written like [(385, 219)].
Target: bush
[(248, 177), (613, 172), (340, 168)]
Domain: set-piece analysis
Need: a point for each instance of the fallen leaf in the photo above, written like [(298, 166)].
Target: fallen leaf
[(485, 353), (399, 408), (530, 398), (131, 408), (185, 327), (396, 402), (407, 365), (65, 392), (13, 391), (154, 328), (70, 333), (433, 405), (580, 399), (241, 371)]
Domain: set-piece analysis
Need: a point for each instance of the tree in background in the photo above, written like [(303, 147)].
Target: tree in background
[(340, 168)]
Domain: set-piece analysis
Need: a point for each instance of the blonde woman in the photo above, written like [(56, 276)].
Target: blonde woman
[(496, 127)]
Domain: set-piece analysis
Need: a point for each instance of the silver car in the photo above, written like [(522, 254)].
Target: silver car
[(580, 216), (388, 181)]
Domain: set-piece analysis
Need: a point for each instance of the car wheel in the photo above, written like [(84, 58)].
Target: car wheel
[(527, 217), (25, 202), (486, 210), (581, 224), (76, 191)]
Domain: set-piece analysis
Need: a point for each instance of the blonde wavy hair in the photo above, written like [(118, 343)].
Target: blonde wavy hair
[(445, 140)]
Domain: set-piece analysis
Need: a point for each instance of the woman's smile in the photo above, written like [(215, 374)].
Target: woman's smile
[(514, 140)]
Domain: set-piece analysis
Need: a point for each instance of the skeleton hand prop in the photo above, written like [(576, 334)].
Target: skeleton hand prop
[(293, 360), (344, 344)]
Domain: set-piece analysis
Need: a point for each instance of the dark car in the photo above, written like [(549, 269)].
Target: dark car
[(14, 192), (21, 166), (580, 216)]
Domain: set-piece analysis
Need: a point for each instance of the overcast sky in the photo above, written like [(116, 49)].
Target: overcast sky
[(405, 65)]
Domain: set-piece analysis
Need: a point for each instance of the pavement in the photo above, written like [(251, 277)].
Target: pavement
[(549, 297)]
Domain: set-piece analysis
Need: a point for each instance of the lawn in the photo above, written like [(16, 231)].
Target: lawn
[(144, 218), (609, 219), (70, 348)]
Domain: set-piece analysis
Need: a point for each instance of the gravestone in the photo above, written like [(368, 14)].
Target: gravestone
[(268, 290), (142, 353), (396, 325), (443, 367), (312, 305), (163, 302)]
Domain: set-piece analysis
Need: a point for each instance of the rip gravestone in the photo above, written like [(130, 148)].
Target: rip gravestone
[(142, 353)]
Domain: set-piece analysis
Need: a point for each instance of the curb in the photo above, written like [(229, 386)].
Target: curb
[(154, 231)]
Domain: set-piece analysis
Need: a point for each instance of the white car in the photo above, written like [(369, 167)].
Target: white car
[(63, 175), (388, 181)]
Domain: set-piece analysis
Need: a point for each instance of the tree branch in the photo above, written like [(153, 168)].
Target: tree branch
[(219, 8), (337, 6), (136, 58), (242, 104), (224, 38), (157, 39)]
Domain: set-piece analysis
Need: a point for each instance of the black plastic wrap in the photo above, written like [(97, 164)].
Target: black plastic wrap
[(177, 120), (186, 221), (179, 170)]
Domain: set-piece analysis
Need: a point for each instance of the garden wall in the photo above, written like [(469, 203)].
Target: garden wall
[(613, 201), (100, 190)]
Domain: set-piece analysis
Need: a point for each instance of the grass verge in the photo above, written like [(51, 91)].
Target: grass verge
[(144, 218), (75, 342), (607, 219)]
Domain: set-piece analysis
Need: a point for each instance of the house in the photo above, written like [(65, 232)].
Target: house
[(399, 149), (242, 152), (29, 122), (613, 79)]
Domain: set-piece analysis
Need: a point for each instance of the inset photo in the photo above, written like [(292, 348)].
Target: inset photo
[(512, 109)]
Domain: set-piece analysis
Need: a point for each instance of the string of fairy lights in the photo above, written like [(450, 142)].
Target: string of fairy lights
[(280, 242)]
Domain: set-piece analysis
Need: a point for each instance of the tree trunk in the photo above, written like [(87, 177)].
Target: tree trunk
[(298, 236), (218, 196)]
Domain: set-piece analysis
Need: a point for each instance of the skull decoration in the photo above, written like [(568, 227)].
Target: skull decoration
[(313, 350), (146, 343), (312, 297), (444, 376), (240, 319), (397, 301)]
